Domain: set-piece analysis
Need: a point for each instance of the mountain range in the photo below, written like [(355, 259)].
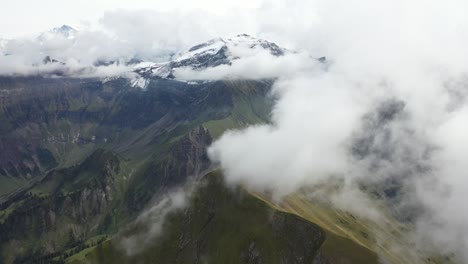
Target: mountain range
[(89, 166)]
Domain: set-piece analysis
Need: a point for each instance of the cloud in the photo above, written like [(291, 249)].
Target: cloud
[(150, 222), (122, 35), (151, 33), (386, 114), (73, 56), (254, 64), (308, 109)]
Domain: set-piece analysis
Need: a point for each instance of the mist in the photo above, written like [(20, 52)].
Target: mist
[(149, 224), (388, 113)]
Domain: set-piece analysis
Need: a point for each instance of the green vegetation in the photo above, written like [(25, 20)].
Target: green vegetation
[(101, 155), (86, 158), (9, 183), (250, 107), (220, 225)]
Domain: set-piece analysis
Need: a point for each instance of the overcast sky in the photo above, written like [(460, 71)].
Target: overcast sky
[(23, 17)]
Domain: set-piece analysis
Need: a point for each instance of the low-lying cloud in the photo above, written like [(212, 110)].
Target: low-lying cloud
[(389, 113), (254, 64), (151, 221)]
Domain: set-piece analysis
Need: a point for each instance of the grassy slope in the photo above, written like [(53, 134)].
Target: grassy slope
[(347, 236), (219, 227), (337, 243), (338, 246), (249, 108), (9, 183), (135, 162), (358, 239)]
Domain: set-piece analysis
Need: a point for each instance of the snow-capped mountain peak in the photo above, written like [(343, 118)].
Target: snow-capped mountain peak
[(209, 54), (227, 47), (65, 30)]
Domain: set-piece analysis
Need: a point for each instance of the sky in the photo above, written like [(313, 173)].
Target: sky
[(25, 17)]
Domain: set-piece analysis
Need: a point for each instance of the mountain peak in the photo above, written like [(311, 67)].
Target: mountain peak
[(236, 41), (212, 53), (64, 30)]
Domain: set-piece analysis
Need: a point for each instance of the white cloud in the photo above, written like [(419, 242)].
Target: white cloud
[(151, 221), (413, 53), (16, 20), (254, 64)]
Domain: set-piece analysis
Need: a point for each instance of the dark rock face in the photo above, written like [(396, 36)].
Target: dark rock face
[(48, 60), (79, 202), (188, 157)]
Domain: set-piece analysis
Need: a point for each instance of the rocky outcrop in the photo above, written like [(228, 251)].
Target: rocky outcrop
[(74, 210), (187, 157)]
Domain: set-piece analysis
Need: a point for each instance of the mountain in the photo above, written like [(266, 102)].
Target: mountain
[(87, 163), (210, 54), (219, 226), (65, 31), (49, 49), (82, 158)]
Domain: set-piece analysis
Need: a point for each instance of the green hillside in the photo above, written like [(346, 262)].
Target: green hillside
[(82, 160), (220, 225)]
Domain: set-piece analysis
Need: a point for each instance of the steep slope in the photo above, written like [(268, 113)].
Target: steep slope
[(115, 149), (60, 210), (220, 225), (49, 123)]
